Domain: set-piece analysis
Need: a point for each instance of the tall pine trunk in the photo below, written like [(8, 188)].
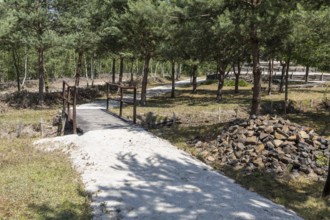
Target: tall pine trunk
[(221, 79), (145, 79), (25, 68), (286, 85), (41, 75), (86, 71), (131, 71), (121, 69), (283, 64), (113, 70), (78, 69), (306, 74), (173, 80), (237, 75), (15, 59), (255, 108), (194, 78), (270, 76)]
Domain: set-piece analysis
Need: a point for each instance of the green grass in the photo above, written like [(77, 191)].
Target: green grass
[(36, 184)]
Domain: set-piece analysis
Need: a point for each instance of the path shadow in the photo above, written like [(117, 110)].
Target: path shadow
[(168, 188)]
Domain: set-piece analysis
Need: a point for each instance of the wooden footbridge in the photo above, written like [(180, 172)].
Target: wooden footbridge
[(96, 115)]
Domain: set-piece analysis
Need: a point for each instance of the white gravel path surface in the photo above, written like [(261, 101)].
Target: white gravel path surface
[(132, 174)]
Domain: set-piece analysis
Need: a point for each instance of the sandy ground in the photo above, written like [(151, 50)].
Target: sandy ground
[(132, 174)]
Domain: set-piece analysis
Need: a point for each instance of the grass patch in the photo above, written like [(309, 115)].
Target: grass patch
[(36, 184)]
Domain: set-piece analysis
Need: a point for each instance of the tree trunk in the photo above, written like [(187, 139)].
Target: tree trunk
[(78, 70), (25, 68), (121, 69), (255, 108), (306, 74), (137, 67), (15, 59), (283, 64), (145, 80), (156, 69), (173, 80), (237, 75), (92, 72), (177, 71), (270, 77), (86, 71), (131, 71), (194, 78), (286, 85), (150, 65), (41, 75), (163, 71), (221, 79), (113, 70), (326, 190)]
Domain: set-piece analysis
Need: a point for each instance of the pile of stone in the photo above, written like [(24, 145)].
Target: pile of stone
[(273, 144)]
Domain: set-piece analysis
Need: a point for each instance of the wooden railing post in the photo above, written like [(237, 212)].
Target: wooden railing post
[(134, 106), (68, 103), (63, 96), (108, 91), (121, 98), (74, 119), (121, 102)]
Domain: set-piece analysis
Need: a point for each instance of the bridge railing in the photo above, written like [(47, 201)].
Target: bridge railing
[(69, 96), (117, 88)]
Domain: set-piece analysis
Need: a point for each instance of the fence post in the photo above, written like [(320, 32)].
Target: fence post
[(68, 103), (134, 106), (74, 119), (63, 96), (121, 102), (108, 95)]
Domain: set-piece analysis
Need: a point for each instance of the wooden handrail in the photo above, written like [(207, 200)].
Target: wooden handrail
[(121, 98), (67, 102)]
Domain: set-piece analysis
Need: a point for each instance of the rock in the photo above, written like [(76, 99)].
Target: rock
[(279, 151), (240, 146), (205, 153), (199, 144), (274, 145), (241, 138), (292, 137), (277, 143), (238, 154), (319, 171), (303, 134), (270, 145), (285, 129), (269, 129), (287, 150), (280, 136), (286, 159), (210, 158), (263, 135), (278, 125), (251, 140), (304, 169), (260, 148), (258, 162), (250, 133)]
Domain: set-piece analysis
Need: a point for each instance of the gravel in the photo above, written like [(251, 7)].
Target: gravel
[(132, 174)]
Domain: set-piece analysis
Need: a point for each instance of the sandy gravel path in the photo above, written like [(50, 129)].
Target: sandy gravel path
[(132, 174)]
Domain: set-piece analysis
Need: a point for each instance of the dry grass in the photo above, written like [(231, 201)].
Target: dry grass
[(36, 184)]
